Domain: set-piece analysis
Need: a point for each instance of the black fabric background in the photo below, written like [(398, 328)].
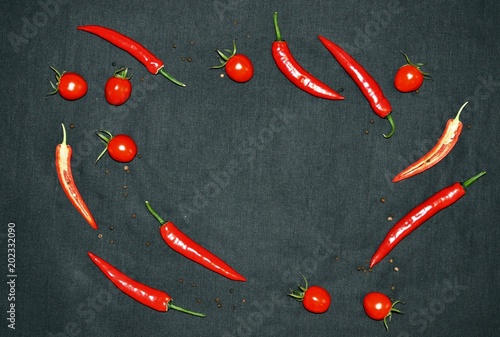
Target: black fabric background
[(308, 175)]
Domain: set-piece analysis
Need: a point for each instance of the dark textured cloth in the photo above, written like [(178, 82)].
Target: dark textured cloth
[(276, 182)]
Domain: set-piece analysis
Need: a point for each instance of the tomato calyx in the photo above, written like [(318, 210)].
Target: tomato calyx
[(105, 137), (426, 75), (389, 315), (223, 58), (58, 76), (122, 73), (299, 294)]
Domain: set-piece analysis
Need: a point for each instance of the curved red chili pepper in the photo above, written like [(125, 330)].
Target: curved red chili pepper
[(153, 298), (420, 214), (443, 146), (295, 72), (365, 82), (185, 246), (153, 64), (65, 175)]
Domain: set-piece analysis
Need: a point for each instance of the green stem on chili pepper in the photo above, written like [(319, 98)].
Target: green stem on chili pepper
[(152, 63), (295, 73), (444, 145), (188, 248), (64, 174), (365, 82), (151, 297), (420, 214)]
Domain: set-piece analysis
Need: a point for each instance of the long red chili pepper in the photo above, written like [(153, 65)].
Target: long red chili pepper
[(153, 64), (420, 214), (185, 246), (365, 82), (65, 175), (443, 146), (153, 298), (295, 72)]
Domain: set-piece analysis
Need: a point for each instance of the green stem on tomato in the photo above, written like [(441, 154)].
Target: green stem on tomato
[(174, 307), (105, 140), (393, 126), (170, 78), (276, 27), (160, 220), (470, 181)]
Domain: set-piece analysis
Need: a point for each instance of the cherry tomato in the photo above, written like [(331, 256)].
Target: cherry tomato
[(409, 77), (118, 88), (121, 148), (70, 86), (379, 306), (238, 67), (315, 299)]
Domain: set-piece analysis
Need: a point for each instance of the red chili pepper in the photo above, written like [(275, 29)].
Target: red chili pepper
[(443, 146), (185, 246), (153, 64), (65, 175), (153, 298), (420, 214), (295, 72), (365, 82)]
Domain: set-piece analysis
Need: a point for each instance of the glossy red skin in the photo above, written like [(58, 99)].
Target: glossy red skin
[(365, 82), (190, 249), (122, 148), (377, 305), (134, 48), (292, 70), (153, 298), (416, 217), (72, 86), (316, 300), (408, 78), (239, 68), (117, 90)]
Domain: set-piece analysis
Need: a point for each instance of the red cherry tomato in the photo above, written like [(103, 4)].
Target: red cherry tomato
[(379, 306), (409, 77), (118, 88), (121, 148), (70, 86), (238, 67), (315, 299)]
